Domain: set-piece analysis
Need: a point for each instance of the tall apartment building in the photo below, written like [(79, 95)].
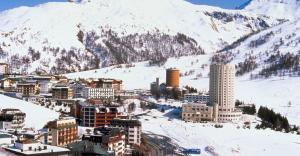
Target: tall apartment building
[(105, 115), (87, 115), (133, 129), (62, 132), (172, 77), (221, 92), (197, 112), (62, 91), (95, 116), (12, 119)]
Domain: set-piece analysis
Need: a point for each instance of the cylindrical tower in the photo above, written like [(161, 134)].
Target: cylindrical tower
[(221, 90), (172, 77)]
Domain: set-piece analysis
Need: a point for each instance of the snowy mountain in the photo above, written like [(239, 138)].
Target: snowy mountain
[(272, 52), (67, 37), (284, 9)]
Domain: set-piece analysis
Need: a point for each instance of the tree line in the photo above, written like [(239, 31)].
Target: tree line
[(272, 120)]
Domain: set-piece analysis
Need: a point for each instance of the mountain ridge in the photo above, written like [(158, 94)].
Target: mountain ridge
[(50, 31), (284, 9)]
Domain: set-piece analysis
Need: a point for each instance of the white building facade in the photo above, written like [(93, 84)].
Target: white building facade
[(197, 112), (98, 93), (221, 92), (133, 129)]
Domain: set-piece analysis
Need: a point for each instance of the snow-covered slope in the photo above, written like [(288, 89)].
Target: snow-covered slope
[(79, 36), (285, 9), (272, 52), (226, 141), (36, 116)]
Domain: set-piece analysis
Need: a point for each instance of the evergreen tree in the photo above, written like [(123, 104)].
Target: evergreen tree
[(272, 120)]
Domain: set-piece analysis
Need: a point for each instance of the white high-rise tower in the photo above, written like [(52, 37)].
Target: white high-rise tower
[(221, 92)]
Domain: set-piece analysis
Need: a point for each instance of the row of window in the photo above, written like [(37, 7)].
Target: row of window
[(197, 115), (224, 109), (220, 115), (202, 109)]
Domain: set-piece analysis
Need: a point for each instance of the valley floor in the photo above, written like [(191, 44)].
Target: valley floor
[(228, 140)]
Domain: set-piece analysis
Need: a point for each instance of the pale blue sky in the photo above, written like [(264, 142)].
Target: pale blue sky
[(228, 4), (8, 4)]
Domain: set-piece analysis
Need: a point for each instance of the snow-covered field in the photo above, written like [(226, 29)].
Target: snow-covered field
[(275, 93), (226, 141), (36, 116), (142, 74)]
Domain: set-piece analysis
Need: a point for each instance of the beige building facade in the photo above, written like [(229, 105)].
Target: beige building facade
[(62, 132), (197, 112)]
